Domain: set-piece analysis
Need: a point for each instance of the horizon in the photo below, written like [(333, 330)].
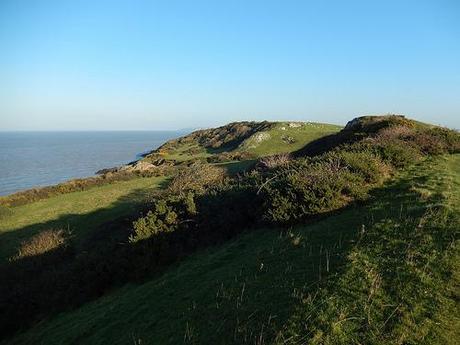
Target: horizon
[(191, 129), (132, 65)]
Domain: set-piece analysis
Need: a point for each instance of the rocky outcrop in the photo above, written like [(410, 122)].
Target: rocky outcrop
[(137, 166)]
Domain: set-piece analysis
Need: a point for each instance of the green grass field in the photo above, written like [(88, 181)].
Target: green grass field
[(286, 137), (381, 273), (79, 212)]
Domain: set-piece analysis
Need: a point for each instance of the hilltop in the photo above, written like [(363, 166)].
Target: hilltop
[(340, 237), (234, 142)]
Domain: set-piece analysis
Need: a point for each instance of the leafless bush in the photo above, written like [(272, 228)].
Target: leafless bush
[(196, 178), (396, 132), (273, 161)]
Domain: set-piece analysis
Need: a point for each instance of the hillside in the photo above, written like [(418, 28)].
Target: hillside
[(351, 238), (303, 286), (80, 212), (239, 141)]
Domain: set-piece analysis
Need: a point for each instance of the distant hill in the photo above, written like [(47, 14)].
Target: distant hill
[(240, 140)]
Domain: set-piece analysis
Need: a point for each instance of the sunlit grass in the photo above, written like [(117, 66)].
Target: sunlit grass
[(80, 212), (374, 274)]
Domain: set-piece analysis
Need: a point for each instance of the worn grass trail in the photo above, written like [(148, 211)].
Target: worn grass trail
[(375, 274)]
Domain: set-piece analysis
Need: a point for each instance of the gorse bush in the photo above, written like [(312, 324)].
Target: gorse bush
[(365, 163), (310, 187), (166, 216), (438, 141), (302, 191)]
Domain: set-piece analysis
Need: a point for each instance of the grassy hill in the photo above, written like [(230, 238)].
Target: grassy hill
[(240, 141), (351, 239), (371, 274)]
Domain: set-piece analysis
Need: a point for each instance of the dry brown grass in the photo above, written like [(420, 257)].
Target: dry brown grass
[(42, 242)]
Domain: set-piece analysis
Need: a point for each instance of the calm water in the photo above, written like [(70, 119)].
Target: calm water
[(30, 159)]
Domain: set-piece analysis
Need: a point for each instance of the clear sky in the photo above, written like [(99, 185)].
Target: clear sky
[(77, 65)]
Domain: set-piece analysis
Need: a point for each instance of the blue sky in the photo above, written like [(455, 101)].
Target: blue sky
[(78, 65)]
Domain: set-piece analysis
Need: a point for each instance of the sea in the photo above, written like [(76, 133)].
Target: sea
[(34, 159)]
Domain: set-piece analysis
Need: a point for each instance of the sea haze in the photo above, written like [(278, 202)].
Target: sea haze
[(31, 159)]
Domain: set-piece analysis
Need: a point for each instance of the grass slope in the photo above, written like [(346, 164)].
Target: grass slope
[(286, 137), (377, 274), (275, 137), (80, 212)]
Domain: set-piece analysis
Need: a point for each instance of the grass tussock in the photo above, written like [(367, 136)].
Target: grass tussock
[(43, 242)]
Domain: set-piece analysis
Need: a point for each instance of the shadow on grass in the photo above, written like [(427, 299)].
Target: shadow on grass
[(81, 225), (36, 288)]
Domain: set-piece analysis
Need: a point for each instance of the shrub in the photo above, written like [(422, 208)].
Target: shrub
[(438, 140), (195, 178), (396, 132), (229, 209), (309, 187), (364, 163), (273, 161), (303, 189), (167, 215), (398, 154)]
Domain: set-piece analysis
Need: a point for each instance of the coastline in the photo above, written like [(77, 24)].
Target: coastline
[(37, 160)]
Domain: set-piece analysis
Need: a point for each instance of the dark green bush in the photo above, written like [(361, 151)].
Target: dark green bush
[(365, 163), (307, 188), (167, 215), (397, 153)]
